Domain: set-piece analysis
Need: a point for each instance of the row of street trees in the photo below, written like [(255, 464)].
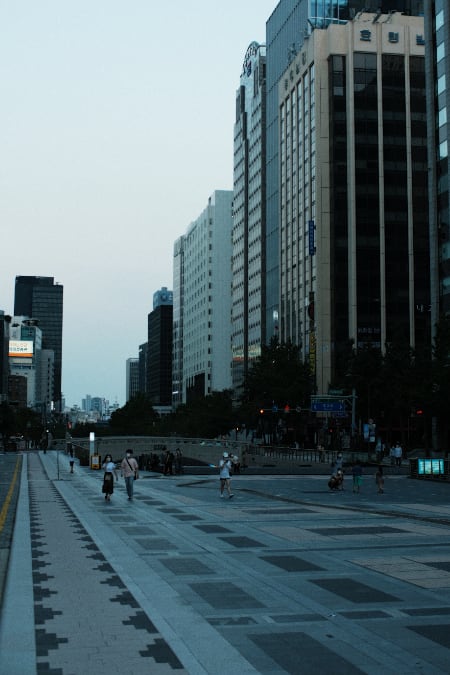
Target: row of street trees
[(405, 391)]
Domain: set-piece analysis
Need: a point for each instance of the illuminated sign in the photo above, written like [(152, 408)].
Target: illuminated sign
[(430, 467), (21, 348)]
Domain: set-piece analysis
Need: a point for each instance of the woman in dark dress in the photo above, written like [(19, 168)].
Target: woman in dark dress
[(108, 479)]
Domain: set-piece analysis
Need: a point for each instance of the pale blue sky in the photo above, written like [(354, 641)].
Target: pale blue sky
[(116, 125)]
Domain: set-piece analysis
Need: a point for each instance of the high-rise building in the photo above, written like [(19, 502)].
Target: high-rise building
[(132, 378), (41, 299), (25, 349), (354, 247), (143, 352), (249, 207), (177, 323), (206, 299), (5, 320), (289, 25), (437, 55), (159, 349)]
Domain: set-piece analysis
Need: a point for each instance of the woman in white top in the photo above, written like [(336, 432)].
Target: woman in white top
[(108, 479), (224, 475)]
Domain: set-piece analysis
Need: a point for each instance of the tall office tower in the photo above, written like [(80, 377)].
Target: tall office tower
[(40, 298), (177, 323), (159, 350), (354, 248), (143, 350), (249, 207), (5, 320), (437, 55), (131, 379), (287, 28), (206, 299)]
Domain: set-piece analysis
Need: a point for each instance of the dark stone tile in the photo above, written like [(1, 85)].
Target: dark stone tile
[(354, 591), (290, 563), (187, 517), (160, 652), (439, 633), (297, 618), (186, 566), (47, 641), (275, 511), (156, 544), (138, 529), (345, 531), (125, 598), (212, 529), (170, 509), (225, 595), (427, 611), (141, 622), (288, 650), (44, 669), (242, 542), (439, 565), (374, 614), (232, 621)]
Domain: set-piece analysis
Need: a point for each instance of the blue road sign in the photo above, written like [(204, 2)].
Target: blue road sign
[(327, 406)]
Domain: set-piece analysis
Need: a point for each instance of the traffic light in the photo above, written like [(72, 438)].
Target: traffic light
[(419, 412)]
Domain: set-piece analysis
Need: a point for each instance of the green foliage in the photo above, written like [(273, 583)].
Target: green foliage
[(206, 417), (136, 418), (278, 377)]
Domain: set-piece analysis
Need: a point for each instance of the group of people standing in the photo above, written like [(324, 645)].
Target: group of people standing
[(336, 482)]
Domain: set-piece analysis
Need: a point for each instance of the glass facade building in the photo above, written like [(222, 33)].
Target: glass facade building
[(42, 299), (354, 244), (437, 22), (288, 27), (248, 233)]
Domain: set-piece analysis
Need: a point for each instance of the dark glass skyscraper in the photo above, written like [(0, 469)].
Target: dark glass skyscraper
[(40, 298)]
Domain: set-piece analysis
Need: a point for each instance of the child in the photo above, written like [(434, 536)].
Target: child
[(357, 476), (379, 479)]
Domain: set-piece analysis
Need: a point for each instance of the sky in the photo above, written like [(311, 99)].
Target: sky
[(116, 123)]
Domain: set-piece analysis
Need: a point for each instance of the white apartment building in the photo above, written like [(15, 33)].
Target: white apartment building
[(206, 300)]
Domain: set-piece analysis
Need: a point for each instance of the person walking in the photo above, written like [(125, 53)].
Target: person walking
[(178, 461), (398, 454), (224, 475), (71, 458), (357, 476), (130, 471), (379, 479), (110, 470)]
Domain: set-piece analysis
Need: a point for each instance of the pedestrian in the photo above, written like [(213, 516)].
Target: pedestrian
[(168, 462), (110, 470), (71, 457), (379, 479), (392, 455), (357, 476), (398, 454), (178, 461), (224, 474), (130, 471)]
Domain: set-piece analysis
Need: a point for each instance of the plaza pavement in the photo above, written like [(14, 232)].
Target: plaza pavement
[(286, 577)]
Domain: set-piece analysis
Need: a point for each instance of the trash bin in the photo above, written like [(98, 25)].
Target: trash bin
[(95, 462)]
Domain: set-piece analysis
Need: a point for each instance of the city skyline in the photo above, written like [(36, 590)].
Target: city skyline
[(117, 128)]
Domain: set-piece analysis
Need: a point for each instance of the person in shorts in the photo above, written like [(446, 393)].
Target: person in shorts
[(225, 475)]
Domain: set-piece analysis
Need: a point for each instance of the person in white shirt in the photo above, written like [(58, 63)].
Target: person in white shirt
[(108, 479), (224, 475)]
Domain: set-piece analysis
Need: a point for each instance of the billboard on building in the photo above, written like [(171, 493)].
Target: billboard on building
[(21, 348)]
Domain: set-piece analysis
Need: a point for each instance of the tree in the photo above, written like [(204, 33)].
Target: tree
[(136, 417)]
